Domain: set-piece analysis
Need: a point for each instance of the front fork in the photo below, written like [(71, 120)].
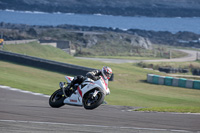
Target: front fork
[(95, 94), (62, 86)]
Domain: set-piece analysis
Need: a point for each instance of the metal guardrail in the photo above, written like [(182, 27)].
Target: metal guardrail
[(20, 41), (60, 67), (171, 81), (44, 63)]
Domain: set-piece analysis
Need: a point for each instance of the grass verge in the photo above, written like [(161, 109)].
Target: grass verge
[(171, 109), (28, 78), (129, 87)]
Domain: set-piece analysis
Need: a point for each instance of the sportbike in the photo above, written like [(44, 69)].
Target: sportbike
[(89, 94)]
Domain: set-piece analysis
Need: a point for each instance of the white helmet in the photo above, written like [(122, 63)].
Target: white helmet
[(107, 72)]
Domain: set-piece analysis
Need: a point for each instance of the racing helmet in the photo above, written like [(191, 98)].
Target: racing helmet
[(107, 72)]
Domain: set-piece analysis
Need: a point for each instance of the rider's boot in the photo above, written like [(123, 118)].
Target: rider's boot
[(68, 90)]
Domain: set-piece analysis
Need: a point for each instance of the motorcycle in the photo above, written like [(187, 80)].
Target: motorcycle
[(89, 94)]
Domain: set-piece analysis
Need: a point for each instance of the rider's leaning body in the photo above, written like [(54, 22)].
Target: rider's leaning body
[(105, 73)]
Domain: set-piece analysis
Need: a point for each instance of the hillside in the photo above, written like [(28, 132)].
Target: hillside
[(98, 42), (88, 36), (37, 50), (153, 8)]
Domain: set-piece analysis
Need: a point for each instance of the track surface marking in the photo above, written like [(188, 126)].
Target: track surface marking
[(26, 112)]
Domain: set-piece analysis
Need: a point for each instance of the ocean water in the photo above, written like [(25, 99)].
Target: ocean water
[(145, 23)]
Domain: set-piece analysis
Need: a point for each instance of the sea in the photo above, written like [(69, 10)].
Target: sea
[(173, 25)]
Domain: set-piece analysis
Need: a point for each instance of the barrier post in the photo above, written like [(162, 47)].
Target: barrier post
[(189, 84), (175, 81), (182, 82), (196, 84), (155, 79), (168, 81), (161, 80), (150, 78)]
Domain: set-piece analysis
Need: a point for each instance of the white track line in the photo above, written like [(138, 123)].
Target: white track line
[(18, 90), (83, 125), (98, 126), (43, 95)]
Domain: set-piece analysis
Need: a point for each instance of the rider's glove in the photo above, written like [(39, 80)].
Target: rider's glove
[(96, 78)]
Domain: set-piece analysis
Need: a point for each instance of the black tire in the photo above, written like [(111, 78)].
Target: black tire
[(100, 97), (56, 99)]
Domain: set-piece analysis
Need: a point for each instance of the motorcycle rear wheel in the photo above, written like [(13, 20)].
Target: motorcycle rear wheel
[(92, 103), (56, 99)]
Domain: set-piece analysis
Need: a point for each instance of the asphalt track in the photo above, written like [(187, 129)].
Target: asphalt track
[(190, 57), (22, 112)]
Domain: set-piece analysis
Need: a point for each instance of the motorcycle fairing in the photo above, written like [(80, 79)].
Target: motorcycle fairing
[(69, 79), (74, 99), (88, 84)]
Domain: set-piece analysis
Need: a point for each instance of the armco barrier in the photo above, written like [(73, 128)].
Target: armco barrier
[(172, 70), (175, 81), (161, 80), (182, 82), (170, 81), (155, 79), (150, 78), (44, 64), (189, 84), (60, 67), (196, 84)]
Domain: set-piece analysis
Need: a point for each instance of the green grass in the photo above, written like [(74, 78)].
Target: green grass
[(35, 49), (123, 50), (126, 57), (28, 78), (184, 65), (129, 87), (171, 109), (175, 54)]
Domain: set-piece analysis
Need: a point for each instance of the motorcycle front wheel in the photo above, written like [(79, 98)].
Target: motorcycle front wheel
[(56, 99), (90, 102)]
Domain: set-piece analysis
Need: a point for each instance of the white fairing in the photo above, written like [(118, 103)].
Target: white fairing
[(69, 79), (88, 84), (103, 84)]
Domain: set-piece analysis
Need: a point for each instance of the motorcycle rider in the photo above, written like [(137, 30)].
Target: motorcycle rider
[(105, 72)]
